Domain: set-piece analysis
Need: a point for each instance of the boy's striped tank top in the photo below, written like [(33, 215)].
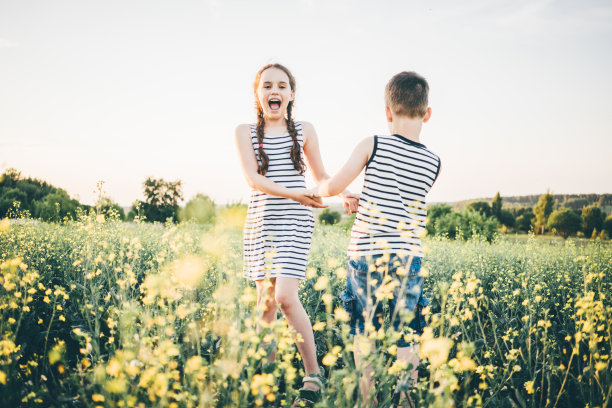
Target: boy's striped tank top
[(392, 209)]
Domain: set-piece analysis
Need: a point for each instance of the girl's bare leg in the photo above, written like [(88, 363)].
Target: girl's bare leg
[(266, 303), (286, 297)]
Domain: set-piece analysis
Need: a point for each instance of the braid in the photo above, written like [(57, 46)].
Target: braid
[(263, 157), (296, 156)]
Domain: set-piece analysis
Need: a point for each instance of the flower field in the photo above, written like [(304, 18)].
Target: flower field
[(100, 313)]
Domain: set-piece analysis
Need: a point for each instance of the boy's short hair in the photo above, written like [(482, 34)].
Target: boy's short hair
[(407, 94)]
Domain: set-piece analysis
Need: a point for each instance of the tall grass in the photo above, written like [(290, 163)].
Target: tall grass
[(102, 313)]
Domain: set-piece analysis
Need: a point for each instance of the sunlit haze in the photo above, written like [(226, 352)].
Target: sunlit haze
[(521, 91)]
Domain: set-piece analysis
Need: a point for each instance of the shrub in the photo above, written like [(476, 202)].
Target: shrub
[(524, 222), (465, 225), (329, 217), (564, 221), (200, 209), (592, 219)]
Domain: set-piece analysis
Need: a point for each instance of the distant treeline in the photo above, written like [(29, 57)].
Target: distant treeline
[(571, 214), (36, 198), (572, 201), (583, 215), (29, 197)]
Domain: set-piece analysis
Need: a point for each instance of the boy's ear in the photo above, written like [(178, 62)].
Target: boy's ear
[(389, 114), (427, 115)]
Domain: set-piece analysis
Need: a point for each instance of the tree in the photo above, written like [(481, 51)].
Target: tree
[(438, 210), (607, 225), (506, 218), (542, 211), (161, 199), (592, 219), (481, 207), (328, 217), (525, 220), (564, 221), (32, 197), (433, 213), (464, 225), (9, 197), (56, 207), (200, 209), (107, 206), (496, 207)]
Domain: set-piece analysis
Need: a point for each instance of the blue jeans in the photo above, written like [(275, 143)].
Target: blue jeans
[(366, 274)]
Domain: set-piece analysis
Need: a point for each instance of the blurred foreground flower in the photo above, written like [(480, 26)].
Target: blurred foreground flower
[(434, 349)]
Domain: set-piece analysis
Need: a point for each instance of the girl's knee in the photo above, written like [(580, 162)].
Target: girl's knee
[(285, 300)]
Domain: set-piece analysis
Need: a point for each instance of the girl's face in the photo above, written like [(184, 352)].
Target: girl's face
[(274, 93)]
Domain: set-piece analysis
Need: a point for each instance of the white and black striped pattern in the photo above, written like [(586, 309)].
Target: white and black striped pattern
[(278, 231), (392, 209)]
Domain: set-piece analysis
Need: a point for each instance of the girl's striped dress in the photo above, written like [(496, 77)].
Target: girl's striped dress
[(278, 231)]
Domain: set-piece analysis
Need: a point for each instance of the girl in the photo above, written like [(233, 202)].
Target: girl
[(279, 223)]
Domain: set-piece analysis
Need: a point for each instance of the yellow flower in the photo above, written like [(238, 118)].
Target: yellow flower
[(97, 397), (189, 271), (311, 273), (322, 283), (341, 314), (462, 364), (529, 387), (435, 349), (263, 383), (318, 326), (397, 367), (2, 377), (329, 359), (193, 364), (116, 386), (85, 363), (229, 368), (600, 366), (114, 368)]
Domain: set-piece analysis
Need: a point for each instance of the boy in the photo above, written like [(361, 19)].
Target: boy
[(385, 239)]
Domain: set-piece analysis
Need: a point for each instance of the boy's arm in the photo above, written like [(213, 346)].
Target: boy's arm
[(349, 171), (313, 157)]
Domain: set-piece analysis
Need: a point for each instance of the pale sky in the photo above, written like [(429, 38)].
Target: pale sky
[(521, 91)]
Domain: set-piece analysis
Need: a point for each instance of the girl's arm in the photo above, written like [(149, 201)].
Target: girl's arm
[(349, 171), (313, 154), (262, 183)]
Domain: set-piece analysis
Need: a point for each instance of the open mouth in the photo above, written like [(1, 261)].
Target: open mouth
[(274, 104)]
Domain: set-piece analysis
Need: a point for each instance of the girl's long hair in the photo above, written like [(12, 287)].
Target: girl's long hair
[(296, 155)]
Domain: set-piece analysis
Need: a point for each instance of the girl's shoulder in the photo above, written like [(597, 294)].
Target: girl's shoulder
[(305, 125), (306, 128), (244, 128), (244, 131)]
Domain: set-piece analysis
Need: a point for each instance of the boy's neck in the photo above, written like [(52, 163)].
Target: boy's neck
[(407, 127)]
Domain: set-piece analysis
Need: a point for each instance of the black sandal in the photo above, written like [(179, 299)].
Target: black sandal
[(308, 397)]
